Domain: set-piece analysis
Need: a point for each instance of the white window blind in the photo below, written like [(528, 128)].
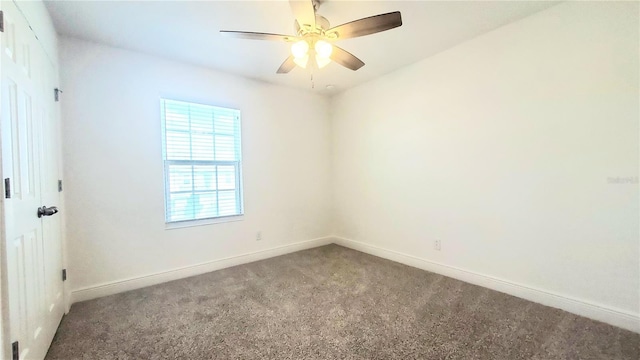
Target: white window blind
[(202, 161)]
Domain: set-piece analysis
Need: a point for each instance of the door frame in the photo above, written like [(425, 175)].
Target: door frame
[(4, 299)]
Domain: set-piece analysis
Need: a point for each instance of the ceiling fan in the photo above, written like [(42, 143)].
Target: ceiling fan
[(314, 38)]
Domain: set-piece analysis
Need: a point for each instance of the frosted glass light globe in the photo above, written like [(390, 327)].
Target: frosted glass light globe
[(322, 61), (299, 49), (323, 49), (301, 61)]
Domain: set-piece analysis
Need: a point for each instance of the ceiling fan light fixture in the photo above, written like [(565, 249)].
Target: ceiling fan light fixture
[(300, 49)]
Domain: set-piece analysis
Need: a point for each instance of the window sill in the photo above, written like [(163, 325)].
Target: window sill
[(202, 222)]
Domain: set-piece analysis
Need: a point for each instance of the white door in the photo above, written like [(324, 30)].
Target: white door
[(30, 162)]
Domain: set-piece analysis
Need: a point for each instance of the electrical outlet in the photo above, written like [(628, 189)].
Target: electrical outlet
[(259, 236), (437, 245)]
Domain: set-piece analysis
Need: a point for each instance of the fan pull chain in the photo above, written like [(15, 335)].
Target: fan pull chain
[(313, 85)]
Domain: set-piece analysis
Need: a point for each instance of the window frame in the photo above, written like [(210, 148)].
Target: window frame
[(237, 164)]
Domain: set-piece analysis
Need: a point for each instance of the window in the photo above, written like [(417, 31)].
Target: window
[(202, 161)]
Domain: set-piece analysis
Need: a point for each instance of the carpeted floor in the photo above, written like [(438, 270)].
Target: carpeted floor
[(329, 303)]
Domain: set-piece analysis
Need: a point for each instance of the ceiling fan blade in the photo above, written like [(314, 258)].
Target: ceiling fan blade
[(257, 36), (346, 59), (286, 66), (367, 26), (304, 12)]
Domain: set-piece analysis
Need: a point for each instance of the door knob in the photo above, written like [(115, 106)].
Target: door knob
[(47, 211)]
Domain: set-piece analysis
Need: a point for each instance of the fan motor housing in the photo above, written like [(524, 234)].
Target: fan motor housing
[(322, 25)]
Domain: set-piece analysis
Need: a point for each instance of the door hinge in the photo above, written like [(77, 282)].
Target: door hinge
[(7, 188), (64, 274), (15, 351), (56, 94), (1, 21), (59, 185)]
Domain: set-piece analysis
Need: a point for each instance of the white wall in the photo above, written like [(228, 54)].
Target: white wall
[(502, 148), (113, 164)]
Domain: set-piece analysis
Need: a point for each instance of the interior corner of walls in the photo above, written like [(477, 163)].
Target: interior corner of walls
[(609, 315)]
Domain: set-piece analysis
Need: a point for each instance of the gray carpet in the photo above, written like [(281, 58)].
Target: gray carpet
[(329, 303)]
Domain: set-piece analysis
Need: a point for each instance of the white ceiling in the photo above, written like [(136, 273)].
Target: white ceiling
[(188, 31)]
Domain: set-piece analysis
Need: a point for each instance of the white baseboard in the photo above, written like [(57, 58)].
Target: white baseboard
[(115, 287), (602, 313)]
